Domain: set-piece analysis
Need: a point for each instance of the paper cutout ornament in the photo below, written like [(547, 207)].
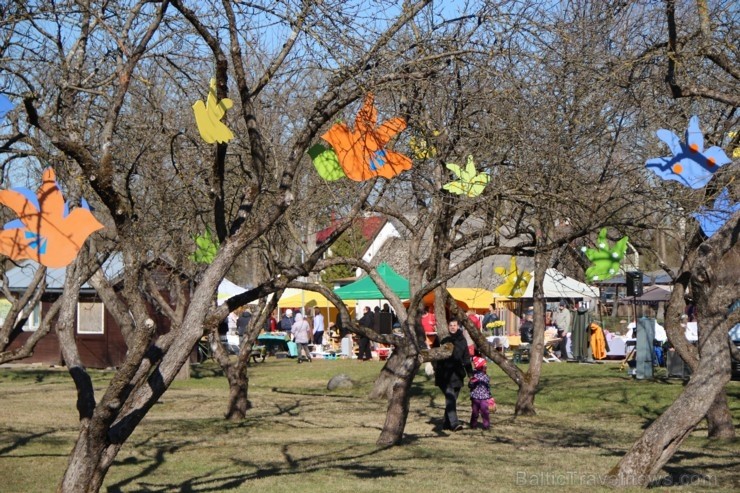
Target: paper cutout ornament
[(736, 150), (206, 248), (470, 183), (5, 106), (361, 152), (515, 281), (421, 149), (605, 261), (691, 165), (208, 117), (45, 231), (711, 220), (326, 162)]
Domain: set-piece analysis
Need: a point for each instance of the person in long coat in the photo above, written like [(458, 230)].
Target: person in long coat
[(449, 374)]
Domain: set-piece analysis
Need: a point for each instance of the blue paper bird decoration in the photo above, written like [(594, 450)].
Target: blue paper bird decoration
[(690, 165), (711, 220), (5, 106)]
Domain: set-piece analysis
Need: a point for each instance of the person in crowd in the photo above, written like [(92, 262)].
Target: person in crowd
[(449, 374), (394, 318), (286, 323), (473, 317), (318, 327), (428, 320), (232, 322), (301, 336), (271, 323), (480, 393), (526, 330), (367, 320), (243, 321), (562, 319), (490, 317)]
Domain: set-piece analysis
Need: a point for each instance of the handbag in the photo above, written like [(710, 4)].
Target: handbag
[(491, 405)]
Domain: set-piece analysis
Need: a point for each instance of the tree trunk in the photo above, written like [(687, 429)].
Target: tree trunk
[(398, 404), (528, 387), (661, 440), (390, 375), (719, 419), (525, 397), (238, 393), (714, 285)]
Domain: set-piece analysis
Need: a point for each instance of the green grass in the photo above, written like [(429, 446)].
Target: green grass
[(301, 438)]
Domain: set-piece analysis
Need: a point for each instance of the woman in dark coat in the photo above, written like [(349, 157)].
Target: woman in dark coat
[(449, 374), (367, 320)]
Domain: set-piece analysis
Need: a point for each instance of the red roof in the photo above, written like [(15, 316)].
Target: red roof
[(370, 226)]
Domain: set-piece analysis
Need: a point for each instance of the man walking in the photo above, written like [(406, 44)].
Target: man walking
[(449, 374)]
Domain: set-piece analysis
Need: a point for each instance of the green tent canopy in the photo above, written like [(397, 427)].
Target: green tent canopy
[(366, 289)]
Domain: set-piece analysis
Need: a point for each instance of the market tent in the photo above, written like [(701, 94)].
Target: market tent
[(558, 285), (366, 289), (475, 298), (429, 298), (226, 290), (309, 298)]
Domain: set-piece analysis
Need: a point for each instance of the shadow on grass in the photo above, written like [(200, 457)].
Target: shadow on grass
[(21, 441), (218, 480)]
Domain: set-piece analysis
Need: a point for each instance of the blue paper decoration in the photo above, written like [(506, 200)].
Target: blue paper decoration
[(711, 220), (690, 165)]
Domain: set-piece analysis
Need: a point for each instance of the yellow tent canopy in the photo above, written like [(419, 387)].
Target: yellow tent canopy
[(475, 298), (310, 298)]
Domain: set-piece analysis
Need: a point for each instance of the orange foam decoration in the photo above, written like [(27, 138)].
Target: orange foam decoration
[(361, 150), (46, 235)]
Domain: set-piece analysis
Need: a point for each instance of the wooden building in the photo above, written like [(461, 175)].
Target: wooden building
[(98, 336)]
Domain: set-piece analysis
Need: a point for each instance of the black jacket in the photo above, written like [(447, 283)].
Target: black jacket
[(451, 371), (527, 331)]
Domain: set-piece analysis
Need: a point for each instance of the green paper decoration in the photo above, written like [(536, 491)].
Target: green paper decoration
[(604, 260), (470, 183), (326, 162), (206, 248)]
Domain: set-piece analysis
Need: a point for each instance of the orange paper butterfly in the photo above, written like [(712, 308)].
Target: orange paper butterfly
[(361, 151), (45, 231)]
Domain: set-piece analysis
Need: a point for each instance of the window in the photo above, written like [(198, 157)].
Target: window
[(34, 319), (90, 318)]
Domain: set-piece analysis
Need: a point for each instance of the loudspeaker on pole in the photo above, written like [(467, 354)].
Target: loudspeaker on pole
[(634, 283)]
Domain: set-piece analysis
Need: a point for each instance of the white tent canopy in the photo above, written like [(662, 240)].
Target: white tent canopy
[(226, 290), (558, 285)]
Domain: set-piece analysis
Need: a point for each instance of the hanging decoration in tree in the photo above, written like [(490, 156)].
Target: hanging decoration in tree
[(470, 183), (690, 165), (208, 117), (45, 231), (736, 149), (206, 248), (5, 106), (605, 261), (326, 162), (360, 151), (515, 281), (711, 220), (421, 149)]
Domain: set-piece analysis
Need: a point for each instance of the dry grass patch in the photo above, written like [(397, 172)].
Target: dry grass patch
[(299, 437)]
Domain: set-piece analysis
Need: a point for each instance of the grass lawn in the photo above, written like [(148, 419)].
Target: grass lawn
[(299, 437)]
